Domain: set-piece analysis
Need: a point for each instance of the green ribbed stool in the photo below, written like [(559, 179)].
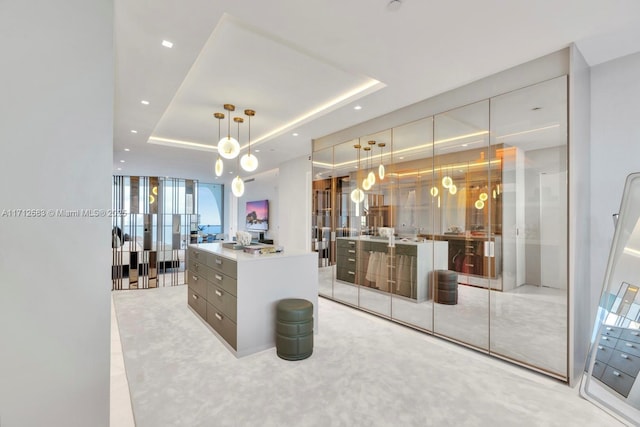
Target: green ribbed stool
[(294, 329)]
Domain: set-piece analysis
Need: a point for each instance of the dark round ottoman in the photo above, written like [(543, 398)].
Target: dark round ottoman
[(294, 329), (446, 291)]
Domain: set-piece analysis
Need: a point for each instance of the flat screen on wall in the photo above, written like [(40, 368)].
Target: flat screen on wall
[(257, 215)]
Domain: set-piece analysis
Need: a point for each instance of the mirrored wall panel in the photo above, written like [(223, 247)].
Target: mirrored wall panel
[(456, 225)]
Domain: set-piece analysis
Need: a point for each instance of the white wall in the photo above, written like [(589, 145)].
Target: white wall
[(295, 204), (56, 121), (615, 152)]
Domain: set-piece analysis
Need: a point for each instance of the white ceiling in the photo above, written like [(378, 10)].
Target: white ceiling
[(304, 65)]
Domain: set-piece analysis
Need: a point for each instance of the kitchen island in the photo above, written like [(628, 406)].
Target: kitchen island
[(236, 293)]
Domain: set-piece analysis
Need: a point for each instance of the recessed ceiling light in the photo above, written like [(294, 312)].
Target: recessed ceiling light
[(121, 161), (126, 149), (358, 107), (230, 172), (167, 43), (118, 169), (294, 134), (257, 150), (465, 145), (401, 158), (144, 102), (394, 5), (134, 131)]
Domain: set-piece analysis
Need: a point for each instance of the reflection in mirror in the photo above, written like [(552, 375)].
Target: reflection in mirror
[(529, 136), (412, 300), (614, 362), (461, 182), (324, 202)]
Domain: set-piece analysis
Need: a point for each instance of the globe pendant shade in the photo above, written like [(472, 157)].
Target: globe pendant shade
[(371, 178), (381, 172), (357, 195), (365, 185), (453, 189), (228, 147), (249, 162), (237, 186), (447, 182), (434, 191), (219, 167)]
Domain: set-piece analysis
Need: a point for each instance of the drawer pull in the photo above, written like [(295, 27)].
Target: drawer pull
[(609, 328), (624, 356), (196, 266), (351, 260), (352, 273), (218, 261), (635, 334), (195, 278), (616, 373), (628, 344), (351, 251), (600, 347), (218, 293), (605, 338), (218, 277), (352, 243), (219, 317), (195, 296)]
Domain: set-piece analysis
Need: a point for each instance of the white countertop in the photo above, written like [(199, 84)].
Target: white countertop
[(240, 256)]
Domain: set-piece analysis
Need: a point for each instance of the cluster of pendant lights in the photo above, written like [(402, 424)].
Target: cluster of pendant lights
[(229, 148), (357, 195)]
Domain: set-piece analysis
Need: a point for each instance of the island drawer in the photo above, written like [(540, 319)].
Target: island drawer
[(223, 265), (223, 301), (196, 282), (228, 284), (223, 325), (197, 303)]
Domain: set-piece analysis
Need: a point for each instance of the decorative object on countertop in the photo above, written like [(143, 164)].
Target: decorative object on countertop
[(243, 238)]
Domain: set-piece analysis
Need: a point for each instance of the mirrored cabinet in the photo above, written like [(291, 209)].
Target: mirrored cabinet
[(454, 223)]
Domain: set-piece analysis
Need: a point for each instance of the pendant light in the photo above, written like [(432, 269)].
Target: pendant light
[(228, 147), (237, 185), (357, 195), (366, 183), (219, 167), (372, 176), (249, 162), (381, 167), (447, 181), (453, 189)]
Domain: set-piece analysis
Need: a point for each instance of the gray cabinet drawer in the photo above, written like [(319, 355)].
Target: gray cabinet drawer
[(222, 325), (411, 250), (197, 303), (223, 265), (346, 243), (598, 369), (196, 254), (199, 268), (617, 380), (347, 252), (629, 347), (611, 331), (346, 275), (196, 282), (227, 283), (223, 301), (627, 363), (604, 353), (631, 335), (608, 341)]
